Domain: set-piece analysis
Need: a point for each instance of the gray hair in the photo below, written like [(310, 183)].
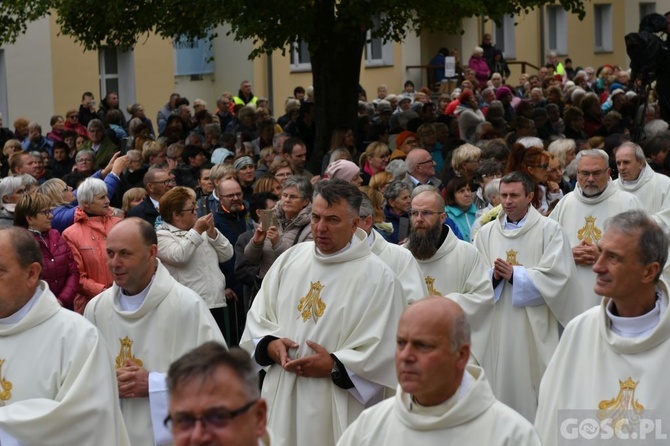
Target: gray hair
[(394, 189), (95, 123), (7, 187), (492, 188), (423, 188), (560, 149), (530, 141), (88, 190), (303, 186), (81, 153), (639, 153), (397, 168), (334, 190), (28, 181), (654, 127), (337, 154), (652, 245), (367, 210), (594, 153)]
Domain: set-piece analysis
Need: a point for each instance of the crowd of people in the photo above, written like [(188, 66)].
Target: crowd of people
[(540, 210)]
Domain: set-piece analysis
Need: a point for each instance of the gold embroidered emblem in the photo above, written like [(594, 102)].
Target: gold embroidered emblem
[(126, 353), (624, 409), (311, 306), (5, 387), (431, 289), (511, 258), (590, 232)]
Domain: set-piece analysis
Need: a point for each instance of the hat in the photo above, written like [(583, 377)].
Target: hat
[(342, 169), (616, 92), (242, 162), (502, 92), (402, 136), (220, 155), (404, 99), (616, 86), (384, 108)]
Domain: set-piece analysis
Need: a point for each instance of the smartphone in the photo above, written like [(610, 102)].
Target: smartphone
[(268, 219)]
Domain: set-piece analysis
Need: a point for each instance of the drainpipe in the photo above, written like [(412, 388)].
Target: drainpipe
[(542, 37), (270, 84)]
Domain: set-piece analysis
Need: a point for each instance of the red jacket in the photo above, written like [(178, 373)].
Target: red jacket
[(59, 270), (87, 238)]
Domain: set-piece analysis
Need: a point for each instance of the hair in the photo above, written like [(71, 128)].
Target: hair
[(95, 123), (259, 201), (281, 164), (652, 244), (264, 184), (53, 188), (81, 154), (28, 181), (12, 142), (88, 190), (29, 206), (221, 170), (303, 186), (395, 189), (335, 190), (464, 153), (261, 156), (374, 149), (7, 187), (151, 148), (657, 144), (595, 153), (376, 201), (639, 153), (150, 176), (520, 177), (454, 186), (290, 143), (202, 362), (523, 157), (130, 195), (560, 149), (16, 160), (379, 180), (655, 127), (488, 168), (172, 202), (492, 188), (26, 248), (146, 231)]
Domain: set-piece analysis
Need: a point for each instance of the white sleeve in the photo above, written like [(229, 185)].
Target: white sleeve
[(497, 291), (524, 291), (8, 440), (158, 405), (363, 390)]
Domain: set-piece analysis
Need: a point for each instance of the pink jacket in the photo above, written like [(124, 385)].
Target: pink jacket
[(87, 238), (481, 69)]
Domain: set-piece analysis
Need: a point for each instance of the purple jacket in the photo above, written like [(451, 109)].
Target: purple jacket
[(59, 269), (481, 69)]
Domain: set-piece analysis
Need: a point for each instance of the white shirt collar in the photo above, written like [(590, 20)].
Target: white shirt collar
[(132, 303), (639, 326), (510, 226), (19, 315)]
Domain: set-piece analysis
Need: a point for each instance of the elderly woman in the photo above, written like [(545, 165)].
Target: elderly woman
[(281, 170), (460, 206), (479, 65), (464, 163), (11, 191), (87, 237), (396, 211), (373, 160), (64, 199), (191, 248), (345, 170), (566, 151), (293, 215), (59, 270)]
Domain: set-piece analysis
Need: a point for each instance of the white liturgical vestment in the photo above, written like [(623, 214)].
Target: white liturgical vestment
[(349, 303), (458, 270), (583, 218), (471, 417), (599, 375), (171, 321), (403, 264), (57, 384), (527, 313)]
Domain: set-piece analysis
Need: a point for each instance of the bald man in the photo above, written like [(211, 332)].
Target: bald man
[(420, 169), (440, 399)]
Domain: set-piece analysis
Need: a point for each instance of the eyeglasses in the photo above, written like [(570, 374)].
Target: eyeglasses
[(231, 196), (283, 175), (594, 173), (422, 214), (85, 160), (411, 142), (73, 116), (189, 210), (217, 418), (541, 166), (48, 213), (493, 175), (432, 161), (168, 182)]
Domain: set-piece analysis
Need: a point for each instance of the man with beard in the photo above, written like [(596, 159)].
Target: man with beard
[(531, 268), (583, 212), (451, 266)]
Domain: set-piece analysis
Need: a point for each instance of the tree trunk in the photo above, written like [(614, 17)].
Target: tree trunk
[(336, 65)]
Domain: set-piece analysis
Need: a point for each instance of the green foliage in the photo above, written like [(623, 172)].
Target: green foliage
[(15, 16)]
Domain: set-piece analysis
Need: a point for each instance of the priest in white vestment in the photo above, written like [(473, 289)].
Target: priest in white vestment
[(451, 266), (57, 386), (583, 212), (531, 266), (323, 321), (148, 320), (441, 400), (609, 371), (400, 260)]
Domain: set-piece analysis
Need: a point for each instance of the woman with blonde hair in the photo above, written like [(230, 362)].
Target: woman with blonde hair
[(565, 151), (132, 197), (267, 183), (374, 160), (380, 181)]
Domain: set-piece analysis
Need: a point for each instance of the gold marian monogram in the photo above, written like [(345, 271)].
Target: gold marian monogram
[(311, 306), (126, 353), (590, 231), (431, 289), (623, 407), (511, 257), (5, 387)]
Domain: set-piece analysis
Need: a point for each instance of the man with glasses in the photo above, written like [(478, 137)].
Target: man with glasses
[(451, 266), (420, 169), (215, 399), (583, 212), (147, 320), (531, 268), (157, 181)]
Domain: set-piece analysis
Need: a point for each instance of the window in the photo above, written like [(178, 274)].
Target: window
[(192, 58), (505, 37), (117, 73), (602, 27), (647, 8), (300, 59), (109, 71), (378, 53), (557, 24)]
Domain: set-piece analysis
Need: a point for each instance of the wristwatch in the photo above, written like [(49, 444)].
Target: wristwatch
[(335, 373)]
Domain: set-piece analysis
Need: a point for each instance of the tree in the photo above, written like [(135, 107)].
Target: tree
[(334, 30)]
